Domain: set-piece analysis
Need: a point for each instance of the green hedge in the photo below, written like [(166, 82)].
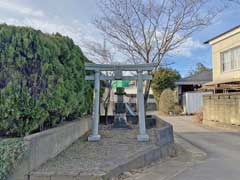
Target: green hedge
[(41, 80), (11, 151)]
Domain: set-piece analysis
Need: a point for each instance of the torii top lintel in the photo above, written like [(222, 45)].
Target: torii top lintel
[(127, 67)]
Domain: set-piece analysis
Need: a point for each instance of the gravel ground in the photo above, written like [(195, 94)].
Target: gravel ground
[(95, 158)]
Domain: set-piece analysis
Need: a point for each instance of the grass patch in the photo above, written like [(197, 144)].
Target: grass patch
[(11, 151)]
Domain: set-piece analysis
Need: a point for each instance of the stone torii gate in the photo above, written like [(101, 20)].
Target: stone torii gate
[(118, 69)]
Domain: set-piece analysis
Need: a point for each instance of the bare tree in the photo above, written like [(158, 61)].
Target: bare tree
[(147, 30), (99, 52), (103, 55)]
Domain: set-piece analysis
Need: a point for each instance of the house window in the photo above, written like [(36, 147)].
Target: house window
[(230, 60)]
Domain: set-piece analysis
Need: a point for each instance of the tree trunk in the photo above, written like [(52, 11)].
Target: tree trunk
[(106, 103), (146, 94), (147, 91)]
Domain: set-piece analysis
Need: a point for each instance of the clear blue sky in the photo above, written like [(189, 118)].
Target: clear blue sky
[(73, 18)]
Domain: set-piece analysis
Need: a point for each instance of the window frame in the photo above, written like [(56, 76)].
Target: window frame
[(231, 50)]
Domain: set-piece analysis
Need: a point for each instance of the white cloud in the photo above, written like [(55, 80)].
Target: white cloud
[(79, 33), (46, 27), (14, 7), (187, 48)]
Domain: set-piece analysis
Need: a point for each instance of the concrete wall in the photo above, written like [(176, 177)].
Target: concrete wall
[(221, 46), (47, 144), (164, 132), (222, 108)]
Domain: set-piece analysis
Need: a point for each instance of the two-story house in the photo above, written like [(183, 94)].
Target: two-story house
[(225, 61), (221, 108)]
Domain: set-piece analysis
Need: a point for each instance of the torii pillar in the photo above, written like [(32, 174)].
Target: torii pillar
[(141, 110), (95, 114)]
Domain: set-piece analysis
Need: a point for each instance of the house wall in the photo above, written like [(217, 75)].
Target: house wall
[(130, 98), (217, 48), (222, 109)]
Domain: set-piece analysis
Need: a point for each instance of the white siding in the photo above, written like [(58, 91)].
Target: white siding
[(193, 101)]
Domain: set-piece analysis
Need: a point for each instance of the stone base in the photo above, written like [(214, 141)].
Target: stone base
[(120, 121), (94, 138), (143, 137)]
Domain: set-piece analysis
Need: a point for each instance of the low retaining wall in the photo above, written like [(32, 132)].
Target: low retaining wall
[(222, 108), (47, 144), (141, 161), (165, 148), (162, 148), (164, 132)]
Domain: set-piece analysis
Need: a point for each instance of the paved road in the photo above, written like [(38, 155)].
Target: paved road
[(222, 148)]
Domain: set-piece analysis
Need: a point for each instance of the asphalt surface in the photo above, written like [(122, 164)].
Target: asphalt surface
[(222, 148)]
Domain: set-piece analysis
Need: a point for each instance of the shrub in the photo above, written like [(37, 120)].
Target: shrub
[(164, 78), (41, 80), (168, 103), (11, 151)]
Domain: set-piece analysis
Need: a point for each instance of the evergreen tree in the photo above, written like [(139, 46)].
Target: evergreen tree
[(41, 80), (164, 78)]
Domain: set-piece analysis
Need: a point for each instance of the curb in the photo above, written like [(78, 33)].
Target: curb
[(143, 160)]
